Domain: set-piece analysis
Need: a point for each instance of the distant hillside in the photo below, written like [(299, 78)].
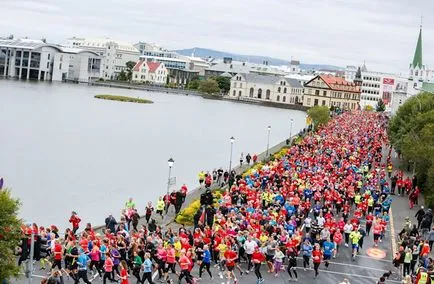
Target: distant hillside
[(205, 53)]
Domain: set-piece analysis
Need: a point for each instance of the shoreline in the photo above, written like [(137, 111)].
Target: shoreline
[(194, 194)]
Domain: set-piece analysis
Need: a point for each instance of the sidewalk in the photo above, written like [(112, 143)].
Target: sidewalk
[(400, 208)]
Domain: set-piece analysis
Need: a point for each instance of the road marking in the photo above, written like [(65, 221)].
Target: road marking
[(352, 274), (365, 256), (154, 275), (34, 275), (392, 232), (354, 265)]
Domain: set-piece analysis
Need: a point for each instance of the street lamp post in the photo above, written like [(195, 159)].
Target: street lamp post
[(291, 121), (268, 140), (170, 163), (29, 264), (232, 140)]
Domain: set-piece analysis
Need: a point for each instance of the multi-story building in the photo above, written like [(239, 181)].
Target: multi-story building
[(114, 54), (150, 72), (269, 88), (37, 60), (418, 73), (350, 73), (327, 90), (181, 68), (227, 65)]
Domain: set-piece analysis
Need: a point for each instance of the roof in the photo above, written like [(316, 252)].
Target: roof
[(295, 62), (152, 66), (138, 65), (102, 43), (428, 87), (364, 69), (417, 59), (270, 79), (226, 74), (338, 83), (25, 43)]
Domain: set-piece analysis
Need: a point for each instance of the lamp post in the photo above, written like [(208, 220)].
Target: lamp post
[(29, 264), (232, 140), (170, 163), (291, 121), (268, 140)]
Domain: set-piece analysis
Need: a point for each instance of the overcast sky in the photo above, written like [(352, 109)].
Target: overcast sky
[(338, 32)]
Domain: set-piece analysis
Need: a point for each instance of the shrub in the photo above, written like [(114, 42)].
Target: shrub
[(186, 216)]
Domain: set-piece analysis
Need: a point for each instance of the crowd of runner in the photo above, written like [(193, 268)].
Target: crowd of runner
[(308, 203)]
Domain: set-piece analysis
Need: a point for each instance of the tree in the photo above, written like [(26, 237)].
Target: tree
[(129, 70), (10, 235), (224, 84), (320, 115), (193, 84), (411, 132), (209, 86), (122, 76), (380, 106), (368, 108)]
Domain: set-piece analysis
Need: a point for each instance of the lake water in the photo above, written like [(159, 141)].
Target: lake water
[(63, 150)]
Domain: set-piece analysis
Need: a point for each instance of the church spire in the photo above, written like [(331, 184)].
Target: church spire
[(417, 59)]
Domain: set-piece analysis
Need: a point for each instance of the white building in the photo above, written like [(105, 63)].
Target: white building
[(38, 60), (251, 86), (227, 65), (150, 72), (114, 54), (350, 73), (418, 72)]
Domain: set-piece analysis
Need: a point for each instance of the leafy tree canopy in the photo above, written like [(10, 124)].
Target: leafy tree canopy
[(10, 234), (320, 115), (209, 86), (380, 106)]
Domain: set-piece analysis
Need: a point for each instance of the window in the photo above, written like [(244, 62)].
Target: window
[(241, 85), (251, 92), (278, 98), (284, 99), (240, 93), (234, 93), (308, 101), (48, 65), (278, 89), (48, 56), (324, 93), (267, 94), (284, 90), (60, 66), (323, 102), (317, 92), (235, 84), (259, 93), (416, 73)]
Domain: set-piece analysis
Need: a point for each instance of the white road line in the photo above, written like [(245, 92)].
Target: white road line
[(154, 275), (351, 274), (354, 265), (392, 232), (35, 275)]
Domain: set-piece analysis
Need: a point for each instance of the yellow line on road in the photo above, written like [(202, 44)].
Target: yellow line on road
[(392, 233)]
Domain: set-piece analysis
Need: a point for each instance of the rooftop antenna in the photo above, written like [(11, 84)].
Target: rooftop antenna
[(421, 21)]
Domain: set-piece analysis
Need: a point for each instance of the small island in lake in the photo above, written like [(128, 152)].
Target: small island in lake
[(124, 99)]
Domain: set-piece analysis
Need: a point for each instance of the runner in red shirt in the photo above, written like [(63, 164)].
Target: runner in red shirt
[(75, 221), (316, 256), (58, 253), (230, 257), (257, 259)]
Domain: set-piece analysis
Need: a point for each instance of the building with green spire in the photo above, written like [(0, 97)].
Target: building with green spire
[(419, 73)]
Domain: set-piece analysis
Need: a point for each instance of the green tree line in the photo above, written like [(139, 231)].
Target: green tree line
[(411, 132)]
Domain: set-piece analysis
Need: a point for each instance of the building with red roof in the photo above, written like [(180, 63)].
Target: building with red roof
[(150, 72), (328, 90)]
